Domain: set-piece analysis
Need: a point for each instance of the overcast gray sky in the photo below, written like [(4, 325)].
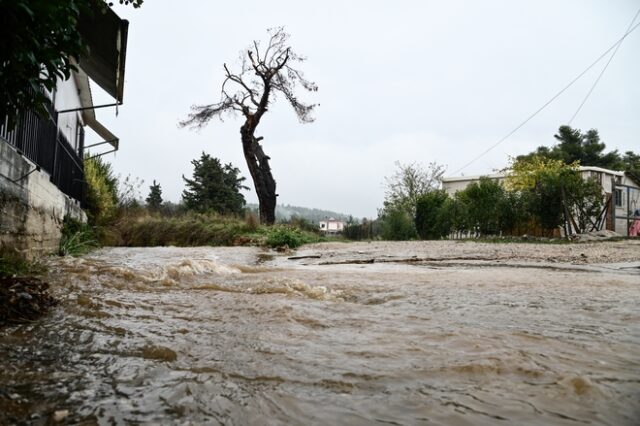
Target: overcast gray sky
[(398, 81)]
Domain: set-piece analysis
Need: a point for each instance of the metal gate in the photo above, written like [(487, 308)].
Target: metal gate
[(626, 202)]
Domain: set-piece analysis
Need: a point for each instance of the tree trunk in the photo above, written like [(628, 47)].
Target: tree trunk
[(260, 170)]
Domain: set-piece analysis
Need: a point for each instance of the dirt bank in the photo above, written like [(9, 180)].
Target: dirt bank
[(23, 299)]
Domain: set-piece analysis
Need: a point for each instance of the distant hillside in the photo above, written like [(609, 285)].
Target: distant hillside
[(285, 212)]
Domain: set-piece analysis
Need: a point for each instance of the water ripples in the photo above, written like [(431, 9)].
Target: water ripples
[(191, 336)]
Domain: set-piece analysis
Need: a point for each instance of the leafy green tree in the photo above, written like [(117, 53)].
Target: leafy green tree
[(362, 230), (214, 187), (515, 216), (353, 231), (482, 201), (555, 193), (631, 162), (154, 200), (575, 146), (397, 224), (433, 215), (585, 201), (410, 182), (39, 41), (544, 183), (585, 148), (588, 150), (101, 195)]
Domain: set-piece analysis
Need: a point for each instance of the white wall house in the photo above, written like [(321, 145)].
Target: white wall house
[(331, 226), (623, 190), (41, 157)]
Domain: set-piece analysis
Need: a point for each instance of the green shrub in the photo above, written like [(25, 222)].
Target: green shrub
[(77, 238), (283, 235), (397, 225), (101, 191), (433, 216), (482, 201)]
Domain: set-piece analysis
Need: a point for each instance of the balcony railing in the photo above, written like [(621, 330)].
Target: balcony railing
[(38, 139)]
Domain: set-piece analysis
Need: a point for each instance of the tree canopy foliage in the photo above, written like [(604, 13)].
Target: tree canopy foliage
[(214, 187), (39, 43), (433, 215), (556, 192), (101, 197), (403, 191), (409, 182), (586, 149), (543, 190), (482, 202), (264, 73)]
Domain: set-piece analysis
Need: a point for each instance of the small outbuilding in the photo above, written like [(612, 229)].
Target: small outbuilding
[(331, 226)]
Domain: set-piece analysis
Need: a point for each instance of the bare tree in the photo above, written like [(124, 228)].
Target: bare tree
[(264, 72), (409, 182)]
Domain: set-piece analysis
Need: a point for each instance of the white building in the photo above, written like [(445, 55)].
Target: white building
[(618, 189), (41, 157), (331, 226)]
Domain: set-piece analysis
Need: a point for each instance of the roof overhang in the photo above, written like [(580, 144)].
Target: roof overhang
[(106, 37), (600, 170), (473, 177), (633, 177), (89, 114), (104, 133)]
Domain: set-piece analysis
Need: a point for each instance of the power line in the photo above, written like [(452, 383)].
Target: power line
[(549, 101), (595, 83)]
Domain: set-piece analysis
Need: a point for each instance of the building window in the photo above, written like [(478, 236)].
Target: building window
[(618, 197)]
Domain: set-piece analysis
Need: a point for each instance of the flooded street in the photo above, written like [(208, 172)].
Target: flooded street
[(334, 334)]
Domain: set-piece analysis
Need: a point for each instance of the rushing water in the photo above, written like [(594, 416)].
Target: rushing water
[(235, 336)]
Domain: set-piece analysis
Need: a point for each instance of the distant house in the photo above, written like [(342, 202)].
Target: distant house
[(619, 190), (41, 158), (331, 226)]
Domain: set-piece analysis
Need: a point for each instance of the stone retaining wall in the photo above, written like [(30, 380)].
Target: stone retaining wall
[(31, 207)]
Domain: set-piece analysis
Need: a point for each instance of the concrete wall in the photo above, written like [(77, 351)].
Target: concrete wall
[(31, 207)]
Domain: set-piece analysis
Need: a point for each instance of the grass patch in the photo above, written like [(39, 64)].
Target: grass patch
[(14, 265), (148, 229), (77, 238)]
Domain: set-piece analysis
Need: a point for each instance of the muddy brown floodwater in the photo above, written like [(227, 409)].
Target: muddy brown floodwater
[(418, 333)]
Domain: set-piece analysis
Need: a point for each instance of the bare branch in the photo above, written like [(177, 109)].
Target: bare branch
[(200, 115), (274, 33), (259, 80), (255, 46), (409, 182), (250, 92)]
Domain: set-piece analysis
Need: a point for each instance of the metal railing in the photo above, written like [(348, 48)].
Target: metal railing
[(625, 208), (38, 139)]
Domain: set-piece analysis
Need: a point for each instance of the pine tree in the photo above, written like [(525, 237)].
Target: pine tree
[(154, 200), (214, 187)]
